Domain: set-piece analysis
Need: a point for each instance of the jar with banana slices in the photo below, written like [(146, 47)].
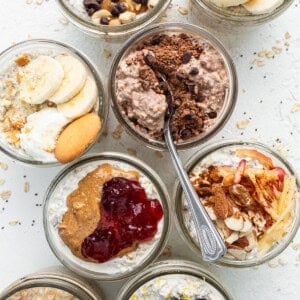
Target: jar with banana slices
[(52, 103), (251, 195), (244, 12)]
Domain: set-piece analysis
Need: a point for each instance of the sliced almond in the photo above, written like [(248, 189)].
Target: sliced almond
[(232, 238), (235, 224)]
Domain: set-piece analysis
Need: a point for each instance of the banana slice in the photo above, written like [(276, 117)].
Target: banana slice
[(38, 136), (73, 81), (227, 3), (259, 7), (40, 79), (82, 103)]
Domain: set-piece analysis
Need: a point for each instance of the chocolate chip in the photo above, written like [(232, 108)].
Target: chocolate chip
[(115, 11), (194, 71), (188, 117), (186, 133), (155, 40), (212, 115), (181, 76), (121, 7), (104, 21), (149, 59), (199, 97), (163, 85), (186, 57), (91, 6)]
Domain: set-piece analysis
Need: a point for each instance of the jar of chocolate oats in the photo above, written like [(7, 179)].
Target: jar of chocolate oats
[(198, 71)]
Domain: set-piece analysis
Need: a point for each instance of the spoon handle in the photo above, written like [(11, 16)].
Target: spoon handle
[(211, 244)]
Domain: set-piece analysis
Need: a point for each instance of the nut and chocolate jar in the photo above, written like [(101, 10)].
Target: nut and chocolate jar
[(53, 283), (251, 194), (198, 71), (112, 19)]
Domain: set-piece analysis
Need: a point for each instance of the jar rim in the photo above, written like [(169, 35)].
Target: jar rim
[(230, 98), (194, 160), (114, 31), (103, 100), (144, 169), (169, 267), (247, 20)]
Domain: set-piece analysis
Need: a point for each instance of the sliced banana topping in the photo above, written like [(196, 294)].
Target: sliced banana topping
[(82, 103), (75, 75), (258, 7), (228, 3), (40, 79)]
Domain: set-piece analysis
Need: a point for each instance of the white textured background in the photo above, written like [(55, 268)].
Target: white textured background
[(267, 94)]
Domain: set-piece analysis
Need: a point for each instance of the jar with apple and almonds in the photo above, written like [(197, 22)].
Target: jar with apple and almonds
[(55, 106), (250, 193)]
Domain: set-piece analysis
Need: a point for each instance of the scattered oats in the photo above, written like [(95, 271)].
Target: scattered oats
[(63, 20), (2, 181), (242, 124), (277, 49), (39, 2), (286, 43), (29, 1), (183, 10), (282, 261), (132, 151), (259, 62), (5, 195), (3, 166), (296, 246), (273, 264), (29, 36), (159, 154), (295, 107), (26, 187), (280, 148), (107, 53), (287, 35), (13, 223), (117, 133), (262, 53)]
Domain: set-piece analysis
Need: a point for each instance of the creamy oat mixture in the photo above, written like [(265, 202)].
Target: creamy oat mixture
[(248, 196), (196, 75), (42, 293), (57, 208), (176, 287)]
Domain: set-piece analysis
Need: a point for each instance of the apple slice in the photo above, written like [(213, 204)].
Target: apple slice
[(240, 171), (280, 172), (252, 153)]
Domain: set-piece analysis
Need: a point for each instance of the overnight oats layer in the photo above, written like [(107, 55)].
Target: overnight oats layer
[(198, 73), (107, 216), (245, 12), (55, 283), (174, 280), (112, 18), (251, 195), (53, 106)]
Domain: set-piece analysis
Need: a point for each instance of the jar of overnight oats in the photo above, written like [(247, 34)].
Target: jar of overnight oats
[(242, 12), (199, 72), (106, 216), (251, 194), (174, 280), (54, 104), (112, 19), (53, 283)]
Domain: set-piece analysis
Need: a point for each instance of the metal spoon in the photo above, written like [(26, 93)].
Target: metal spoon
[(211, 244)]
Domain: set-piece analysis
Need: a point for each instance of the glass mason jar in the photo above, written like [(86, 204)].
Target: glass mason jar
[(80, 19), (184, 225), (8, 56), (239, 16), (55, 206), (154, 30), (163, 271), (56, 278)]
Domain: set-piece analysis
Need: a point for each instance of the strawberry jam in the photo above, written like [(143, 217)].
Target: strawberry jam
[(127, 217)]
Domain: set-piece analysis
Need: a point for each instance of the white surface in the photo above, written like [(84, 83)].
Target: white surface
[(23, 248)]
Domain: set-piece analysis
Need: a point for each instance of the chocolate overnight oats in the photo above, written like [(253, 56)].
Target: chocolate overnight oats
[(196, 74)]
